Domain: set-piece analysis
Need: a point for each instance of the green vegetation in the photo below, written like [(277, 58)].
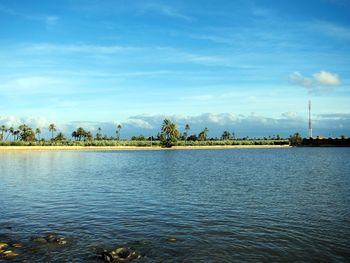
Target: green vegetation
[(295, 139), (169, 136), (143, 143)]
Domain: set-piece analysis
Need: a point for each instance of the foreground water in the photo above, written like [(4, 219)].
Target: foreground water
[(234, 205)]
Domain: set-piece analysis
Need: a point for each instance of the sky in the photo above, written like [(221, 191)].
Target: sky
[(245, 66)]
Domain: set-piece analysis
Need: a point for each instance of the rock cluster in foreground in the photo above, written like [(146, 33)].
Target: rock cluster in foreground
[(122, 254)]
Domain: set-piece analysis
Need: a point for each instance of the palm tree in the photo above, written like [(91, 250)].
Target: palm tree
[(74, 135), (226, 135), (52, 129), (118, 131), (26, 133), (98, 134), (3, 129), (60, 137), (15, 135), (170, 133), (203, 134), (10, 131), (187, 128), (37, 132), (80, 133)]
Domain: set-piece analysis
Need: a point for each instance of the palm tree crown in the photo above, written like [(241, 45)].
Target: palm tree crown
[(52, 129)]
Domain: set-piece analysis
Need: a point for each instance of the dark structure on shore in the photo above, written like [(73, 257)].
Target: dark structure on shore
[(324, 142)]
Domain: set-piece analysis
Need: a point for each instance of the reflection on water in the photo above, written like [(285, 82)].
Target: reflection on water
[(234, 205)]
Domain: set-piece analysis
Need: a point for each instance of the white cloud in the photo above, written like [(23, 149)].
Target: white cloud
[(322, 79), (291, 115), (325, 78), (139, 123), (35, 122)]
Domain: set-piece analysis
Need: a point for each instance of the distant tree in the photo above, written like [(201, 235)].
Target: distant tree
[(80, 133), (138, 138), (52, 129), (75, 135), (202, 136), (16, 134), (60, 137), (10, 132), (226, 135), (192, 137), (119, 127), (38, 132), (99, 134), (88, 136), (26, 133), (187, 128), (295, 139), (233, 135), (169, 134), (3, 129)]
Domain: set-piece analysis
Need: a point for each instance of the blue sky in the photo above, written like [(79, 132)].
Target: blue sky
[(245, 66)]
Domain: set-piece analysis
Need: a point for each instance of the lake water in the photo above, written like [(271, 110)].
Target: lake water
[(234, 205)]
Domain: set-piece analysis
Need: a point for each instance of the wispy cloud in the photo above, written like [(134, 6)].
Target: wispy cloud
[(48, 20), (330, 28), (33, 85), (164, 54), (165, 10), (76, 48)]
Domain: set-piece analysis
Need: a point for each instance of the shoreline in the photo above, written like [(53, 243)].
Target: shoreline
[(131, 148)]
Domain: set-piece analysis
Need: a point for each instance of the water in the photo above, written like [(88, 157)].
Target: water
[(234, 205)]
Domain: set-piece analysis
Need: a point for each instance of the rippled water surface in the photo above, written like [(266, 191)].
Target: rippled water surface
[(234, 205)]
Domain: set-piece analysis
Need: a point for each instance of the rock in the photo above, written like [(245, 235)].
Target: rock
[(172, 239), (9, 254), (61, 241), (51, 238), (40, 240), (106, 256), (3, 245), (17, 245), (134, 255), (122, 252)]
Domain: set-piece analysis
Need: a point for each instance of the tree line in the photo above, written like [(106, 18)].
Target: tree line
[(168, 136)]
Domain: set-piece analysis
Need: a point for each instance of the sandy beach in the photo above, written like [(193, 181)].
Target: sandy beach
[(128, 148)]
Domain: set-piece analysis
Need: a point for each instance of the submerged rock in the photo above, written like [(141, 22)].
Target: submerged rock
[(50, 239), (121, 254), (3, 245), (9, 254), (40, 240), (172, 239), (106, 256), (17, 245)]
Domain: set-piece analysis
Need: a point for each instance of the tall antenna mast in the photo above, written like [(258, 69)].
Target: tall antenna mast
[(310, 123)]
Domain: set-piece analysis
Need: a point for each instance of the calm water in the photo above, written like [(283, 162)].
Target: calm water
[(236, 205)]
